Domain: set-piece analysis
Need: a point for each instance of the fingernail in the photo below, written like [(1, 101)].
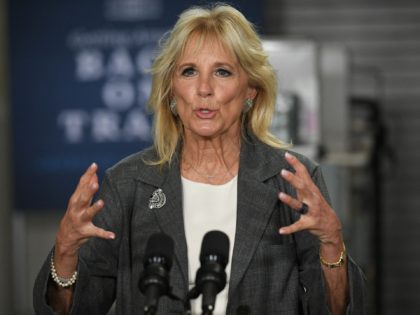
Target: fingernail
[(288, 155), (282, 195), (94, 185), (112, 236), (281, 231), (284, 172), (93, 165)]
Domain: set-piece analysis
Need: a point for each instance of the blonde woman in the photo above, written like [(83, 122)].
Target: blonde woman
[(216, 167)]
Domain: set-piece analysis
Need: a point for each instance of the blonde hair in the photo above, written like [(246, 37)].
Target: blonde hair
[(235, 32)]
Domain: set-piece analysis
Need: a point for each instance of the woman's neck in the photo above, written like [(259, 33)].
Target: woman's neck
[(213, 161)]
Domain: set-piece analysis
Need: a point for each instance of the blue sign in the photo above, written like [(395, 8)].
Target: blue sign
[(79, 85)]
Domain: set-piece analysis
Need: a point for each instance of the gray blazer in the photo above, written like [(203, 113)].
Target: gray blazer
[(271, 273)]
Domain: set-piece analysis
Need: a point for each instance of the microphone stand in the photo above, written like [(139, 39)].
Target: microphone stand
[(152, 310), (192, 295)]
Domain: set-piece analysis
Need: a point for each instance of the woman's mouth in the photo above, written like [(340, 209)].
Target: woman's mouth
[(205, 113)]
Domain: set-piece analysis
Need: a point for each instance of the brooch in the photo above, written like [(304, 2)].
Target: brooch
[(157, 200)]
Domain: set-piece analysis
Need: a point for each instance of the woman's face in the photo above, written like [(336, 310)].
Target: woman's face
[(210, 88)]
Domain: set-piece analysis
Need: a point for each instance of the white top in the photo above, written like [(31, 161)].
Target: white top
[(206, 208)]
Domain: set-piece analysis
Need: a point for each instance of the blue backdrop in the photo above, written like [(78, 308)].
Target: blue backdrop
[(79, 86)]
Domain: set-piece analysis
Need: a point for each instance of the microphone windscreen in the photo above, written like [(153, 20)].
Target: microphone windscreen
[(215, 243), (160, 245)]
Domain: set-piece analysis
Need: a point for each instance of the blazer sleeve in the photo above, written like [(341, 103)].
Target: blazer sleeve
[(94, 291), (311, 274)]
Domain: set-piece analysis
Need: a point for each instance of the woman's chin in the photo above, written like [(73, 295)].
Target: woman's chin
[(208, 132), (205, 133), (211, 129)]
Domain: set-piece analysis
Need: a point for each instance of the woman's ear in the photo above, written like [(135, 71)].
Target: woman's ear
[(252, 93)]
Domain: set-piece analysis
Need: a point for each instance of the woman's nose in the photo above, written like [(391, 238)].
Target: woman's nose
[(205, 86)]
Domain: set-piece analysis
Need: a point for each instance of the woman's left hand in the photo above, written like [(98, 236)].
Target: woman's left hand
[(319, 219)]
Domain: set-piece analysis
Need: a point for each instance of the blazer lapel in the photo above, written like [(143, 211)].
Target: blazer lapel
[(170, 217), (256, 202)]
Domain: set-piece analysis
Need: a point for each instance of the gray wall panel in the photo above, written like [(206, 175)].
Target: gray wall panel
[(383, 35)]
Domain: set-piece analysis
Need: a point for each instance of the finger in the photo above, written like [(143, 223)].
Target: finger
[(292, 179), (93, 210), (97, 231), (89, 178), (87, 175), (295, 227), (301, 170), (94, 179), (297, 165), (87, 194), (90, 230), (299, 183), (101, 233), (290, 201), (86, 178)]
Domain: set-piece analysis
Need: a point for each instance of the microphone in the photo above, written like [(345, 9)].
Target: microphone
[(154, 281), (211, 276)]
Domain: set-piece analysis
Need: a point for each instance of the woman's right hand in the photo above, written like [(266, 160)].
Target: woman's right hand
[(76, 226)]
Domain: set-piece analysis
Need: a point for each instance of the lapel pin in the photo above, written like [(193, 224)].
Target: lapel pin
[(157, 200)]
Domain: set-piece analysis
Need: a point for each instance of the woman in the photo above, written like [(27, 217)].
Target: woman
[(215, 166)]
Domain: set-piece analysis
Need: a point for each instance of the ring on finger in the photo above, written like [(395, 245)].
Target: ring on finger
[(303, 209)]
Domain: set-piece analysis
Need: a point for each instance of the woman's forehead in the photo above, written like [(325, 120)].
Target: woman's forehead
[(199, 42)]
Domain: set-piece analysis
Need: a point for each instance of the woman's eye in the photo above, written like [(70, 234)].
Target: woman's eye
[(223, 72), (188, 72)]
